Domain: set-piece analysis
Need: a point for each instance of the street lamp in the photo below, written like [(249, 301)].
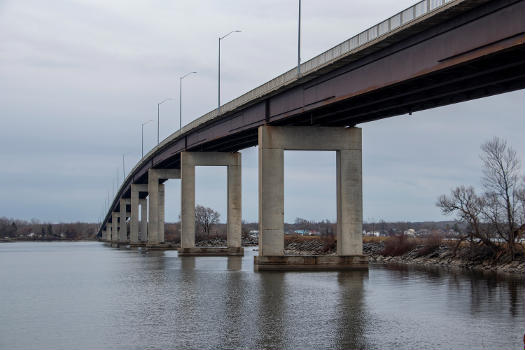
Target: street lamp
[(158, 116), (143, 135), (299, 43), (180, 97), (219, 80), (123, 169)]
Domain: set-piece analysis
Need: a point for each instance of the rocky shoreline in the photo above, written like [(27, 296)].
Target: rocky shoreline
[(441, 256)]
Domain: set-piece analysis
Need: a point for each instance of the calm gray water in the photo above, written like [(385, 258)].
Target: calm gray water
[(87, 295)]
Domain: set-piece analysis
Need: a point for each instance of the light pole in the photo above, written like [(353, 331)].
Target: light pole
[(123, 170), (219, 80), (180, 97), (143, 135), (299, 43), (158, 117)]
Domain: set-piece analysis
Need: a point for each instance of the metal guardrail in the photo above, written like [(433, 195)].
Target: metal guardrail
[(348, 47)]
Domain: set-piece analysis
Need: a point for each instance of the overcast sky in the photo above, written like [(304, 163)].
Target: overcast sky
[(78, 77)]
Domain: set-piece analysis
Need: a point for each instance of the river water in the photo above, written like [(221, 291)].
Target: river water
[(88, 296)]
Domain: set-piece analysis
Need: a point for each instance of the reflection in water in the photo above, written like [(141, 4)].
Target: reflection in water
[(352, 317), (119, 299), (516, 295), (271, 330), (234, 263), (187, 263), (484, 290), (235, 312)]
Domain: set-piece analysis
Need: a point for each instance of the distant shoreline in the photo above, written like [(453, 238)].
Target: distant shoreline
[(46, 240)]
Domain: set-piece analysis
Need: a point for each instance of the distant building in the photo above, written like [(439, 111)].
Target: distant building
[(306, 232), (410, 232), (372, 233)]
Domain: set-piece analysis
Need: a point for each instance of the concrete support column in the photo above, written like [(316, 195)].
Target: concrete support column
[(108, 231), (347, 142), (143, 233), (187, 207), (162, 196), (134, 220), (153, 203), (349, 202), (271, 199), (123, 232), (114, 228), (234, 221)]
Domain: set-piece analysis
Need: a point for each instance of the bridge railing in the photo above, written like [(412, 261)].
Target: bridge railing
[(348, 47)]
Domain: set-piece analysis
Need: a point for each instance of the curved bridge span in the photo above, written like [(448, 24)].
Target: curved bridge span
[(432, 54)]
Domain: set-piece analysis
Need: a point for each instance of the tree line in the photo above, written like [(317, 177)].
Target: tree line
[(36, 230)]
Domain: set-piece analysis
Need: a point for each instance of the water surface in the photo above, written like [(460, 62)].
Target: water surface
[(86, 295)]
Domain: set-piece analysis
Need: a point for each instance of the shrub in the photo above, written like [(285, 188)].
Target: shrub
[(398, 245), (430, 244), (329, 244)]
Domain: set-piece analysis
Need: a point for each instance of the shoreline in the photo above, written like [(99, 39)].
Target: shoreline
[(441, 257), (454, 265)]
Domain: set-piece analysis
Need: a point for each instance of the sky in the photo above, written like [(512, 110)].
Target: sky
[(79, 77)]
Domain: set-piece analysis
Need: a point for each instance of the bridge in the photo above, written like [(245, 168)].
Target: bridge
[(435, 53)]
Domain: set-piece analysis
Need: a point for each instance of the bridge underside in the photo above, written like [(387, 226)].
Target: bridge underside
[(470, 56), (490, 75), (493, 74)]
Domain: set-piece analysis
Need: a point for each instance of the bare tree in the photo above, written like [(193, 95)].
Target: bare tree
[(501, 180), (205, 218), (499, 211), (467, 206)]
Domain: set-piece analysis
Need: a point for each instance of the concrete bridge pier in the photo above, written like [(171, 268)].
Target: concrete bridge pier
[(162, 213), (108, 231), (143, 228), (156, 199), (135, 201), (189, 160), (114, 229), (346, 142), (123, 227)]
